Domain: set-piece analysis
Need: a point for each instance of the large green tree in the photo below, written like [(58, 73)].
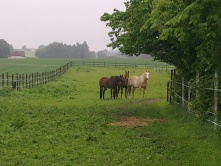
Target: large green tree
[(4, 49), (183, 33)]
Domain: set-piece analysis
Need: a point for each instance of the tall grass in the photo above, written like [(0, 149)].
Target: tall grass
[(65, 123)]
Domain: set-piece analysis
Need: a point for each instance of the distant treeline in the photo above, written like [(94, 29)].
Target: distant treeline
[(60, 50)]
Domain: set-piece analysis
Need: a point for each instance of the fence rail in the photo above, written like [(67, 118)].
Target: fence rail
[(123, 65)]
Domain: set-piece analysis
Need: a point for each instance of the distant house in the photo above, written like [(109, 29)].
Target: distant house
[(33, 49), (17, 54)]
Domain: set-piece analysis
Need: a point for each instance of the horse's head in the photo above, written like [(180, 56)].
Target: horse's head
[(146, 75), (122, 79), (126, 75)]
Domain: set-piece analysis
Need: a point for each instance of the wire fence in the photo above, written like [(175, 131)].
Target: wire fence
[(181, 93)]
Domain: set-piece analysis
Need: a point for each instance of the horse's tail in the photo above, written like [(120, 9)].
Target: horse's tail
[(101, 92)]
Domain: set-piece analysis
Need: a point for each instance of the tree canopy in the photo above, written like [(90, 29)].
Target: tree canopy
[(60, 50), (183, 33)]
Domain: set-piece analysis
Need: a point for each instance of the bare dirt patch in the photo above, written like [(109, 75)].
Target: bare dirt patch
[(147, 102), (131, 122)]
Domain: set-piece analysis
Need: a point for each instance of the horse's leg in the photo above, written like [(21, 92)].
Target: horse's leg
[(111, 92), (144, 89), (118, 90), (133, 91), (129, 91), (115, 92), (121, 91), (101, 88), (140, 88), (104, 91), (125, 91)]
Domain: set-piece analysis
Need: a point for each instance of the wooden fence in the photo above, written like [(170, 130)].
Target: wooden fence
[(185, 94), (123, 65), (18, 81)]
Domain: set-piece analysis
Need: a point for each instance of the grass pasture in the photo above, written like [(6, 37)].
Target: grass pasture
[(34, 65), (65, 123), (30, 65)]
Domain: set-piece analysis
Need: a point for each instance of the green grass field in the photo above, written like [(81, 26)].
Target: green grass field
[(65, 123), (30, 65), (34, 65)]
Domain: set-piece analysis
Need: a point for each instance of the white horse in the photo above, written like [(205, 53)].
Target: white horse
[(138, 82)]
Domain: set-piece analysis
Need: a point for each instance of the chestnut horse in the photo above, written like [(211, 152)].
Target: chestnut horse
[(122, 85), (111, 83), (138, 82)]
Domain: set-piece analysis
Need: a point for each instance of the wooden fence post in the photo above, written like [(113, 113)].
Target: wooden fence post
[(45, 77), (36, 78), (215, 97), (171, 87), (19, 81), (48, 76), (40, 77), (171, 74), (22, 78), (26, 80), (174, 89), (16, 81), (32, 80), (3, 80), (29, 81), (7, 80), (13, 84)]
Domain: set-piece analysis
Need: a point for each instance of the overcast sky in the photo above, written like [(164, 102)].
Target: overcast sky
[(36, 22)]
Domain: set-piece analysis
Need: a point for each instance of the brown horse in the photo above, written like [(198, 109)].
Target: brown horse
[(111, 83), (122, 85), (138, 82)]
